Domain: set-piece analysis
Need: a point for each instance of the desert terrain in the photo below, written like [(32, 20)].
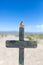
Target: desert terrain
[(10, 56)]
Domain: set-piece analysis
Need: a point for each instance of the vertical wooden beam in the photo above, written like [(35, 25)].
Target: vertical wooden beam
[(21, 38), (21, 56), (21, 32)]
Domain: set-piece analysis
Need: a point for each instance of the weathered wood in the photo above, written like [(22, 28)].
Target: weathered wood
[(21, 34), (21, 56), (21, 44)]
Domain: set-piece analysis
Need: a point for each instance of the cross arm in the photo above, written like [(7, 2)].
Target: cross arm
[(21, 44)]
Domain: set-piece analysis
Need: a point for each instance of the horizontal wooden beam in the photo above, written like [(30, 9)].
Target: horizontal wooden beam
[(21, 44)]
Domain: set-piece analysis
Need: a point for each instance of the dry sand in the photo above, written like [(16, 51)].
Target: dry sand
[(10, 56)]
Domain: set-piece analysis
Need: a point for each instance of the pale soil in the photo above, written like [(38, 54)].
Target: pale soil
[(10, 56)]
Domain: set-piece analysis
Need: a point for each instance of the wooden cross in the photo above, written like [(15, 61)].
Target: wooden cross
[(21, 44)]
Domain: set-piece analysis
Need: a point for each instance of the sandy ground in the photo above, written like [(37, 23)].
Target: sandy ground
[(10, 56)]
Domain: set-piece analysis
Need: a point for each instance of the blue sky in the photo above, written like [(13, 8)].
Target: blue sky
[(12, 12)]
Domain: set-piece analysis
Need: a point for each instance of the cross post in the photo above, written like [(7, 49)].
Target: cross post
[(21, 44)]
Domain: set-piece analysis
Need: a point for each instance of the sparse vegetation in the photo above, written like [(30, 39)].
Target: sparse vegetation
[(34, 36), (29, 36)]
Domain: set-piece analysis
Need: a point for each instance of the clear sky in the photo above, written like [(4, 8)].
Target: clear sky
[(12, 12)]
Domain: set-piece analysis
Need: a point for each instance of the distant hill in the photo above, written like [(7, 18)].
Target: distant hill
[(16, 32), (9, 32)]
